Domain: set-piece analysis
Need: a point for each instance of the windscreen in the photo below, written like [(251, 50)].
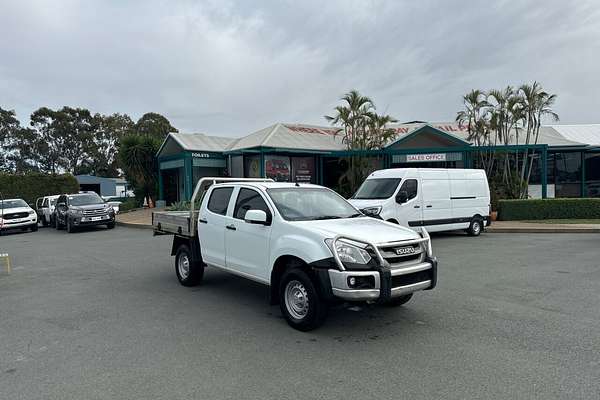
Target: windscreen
[(6, 204), (85, 199), (377, 189), (306, 204)]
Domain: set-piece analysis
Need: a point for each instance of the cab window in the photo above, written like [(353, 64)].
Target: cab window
[(410, 187), (249, 199), (219, 200)]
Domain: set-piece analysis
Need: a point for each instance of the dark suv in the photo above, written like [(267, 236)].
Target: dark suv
[(82, 209)]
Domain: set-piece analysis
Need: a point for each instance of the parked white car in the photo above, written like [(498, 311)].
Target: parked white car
[(15, 214), (45, 209), (435, 198), (305, 241)]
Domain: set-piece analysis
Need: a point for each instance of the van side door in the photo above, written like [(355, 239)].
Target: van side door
[(247, 244), (212, 221), (437, 206), (408, 203)]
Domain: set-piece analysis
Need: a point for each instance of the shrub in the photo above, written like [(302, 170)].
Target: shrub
[(129, 204), (511, 210), (31, 186), (180, 206)]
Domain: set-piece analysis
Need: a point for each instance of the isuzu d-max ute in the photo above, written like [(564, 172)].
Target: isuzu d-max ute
[(306, 242)]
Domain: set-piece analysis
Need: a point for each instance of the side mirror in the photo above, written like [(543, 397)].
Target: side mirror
[(256, 217), (402, 197)]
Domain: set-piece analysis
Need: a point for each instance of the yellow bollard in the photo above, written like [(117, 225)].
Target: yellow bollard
[(6, 262)]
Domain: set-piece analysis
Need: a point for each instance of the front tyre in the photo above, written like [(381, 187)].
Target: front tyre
[(300, 302), (110, 225), (34, 227), (189, 271)]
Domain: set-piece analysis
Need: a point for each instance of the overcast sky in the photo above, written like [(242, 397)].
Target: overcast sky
[(232, 67)]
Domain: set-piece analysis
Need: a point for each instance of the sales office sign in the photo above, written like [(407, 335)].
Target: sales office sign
[(425, 157)]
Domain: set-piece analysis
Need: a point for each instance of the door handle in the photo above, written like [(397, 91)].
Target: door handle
[(231, 227), (429, 206), (202, 221), (417, 206)]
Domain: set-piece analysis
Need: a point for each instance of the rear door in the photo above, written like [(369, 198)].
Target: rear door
[(211, 226), (247, 245)]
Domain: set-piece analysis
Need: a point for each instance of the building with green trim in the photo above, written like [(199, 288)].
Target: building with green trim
[(566, 158)]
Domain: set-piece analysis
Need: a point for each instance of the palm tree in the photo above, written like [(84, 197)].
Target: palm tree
[(362, 129), (137, 154)]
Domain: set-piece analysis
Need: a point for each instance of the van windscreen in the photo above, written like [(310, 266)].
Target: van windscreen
[(377, 189)]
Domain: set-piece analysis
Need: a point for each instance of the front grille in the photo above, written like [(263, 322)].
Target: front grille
[(409, 279), (400, 256), (99, 211), (16, 215)]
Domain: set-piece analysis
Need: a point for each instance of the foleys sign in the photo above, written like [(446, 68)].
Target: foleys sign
[(425, 157), (200, 155)]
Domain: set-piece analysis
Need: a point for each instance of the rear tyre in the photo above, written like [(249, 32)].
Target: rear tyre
[(189, 271), (398, 301), (475, 227), (44, 222), (300, 302)]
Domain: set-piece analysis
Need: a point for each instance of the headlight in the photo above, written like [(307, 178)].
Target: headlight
[(424, 234), (31, 212), (349, 253), (77, 212), (372, 210)]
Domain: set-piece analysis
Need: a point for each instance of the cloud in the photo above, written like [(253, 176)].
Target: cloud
[(229, 68)]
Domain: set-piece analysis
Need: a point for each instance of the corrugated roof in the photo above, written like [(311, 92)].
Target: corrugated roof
[(548, 134), (324, 138), (589, 134), (200, 141), (293, 136)]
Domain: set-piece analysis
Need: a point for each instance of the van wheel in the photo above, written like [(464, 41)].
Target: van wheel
[(475, 227), (189, 271), (44, 221), (300, 302)]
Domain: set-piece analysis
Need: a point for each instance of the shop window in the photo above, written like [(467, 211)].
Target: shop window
[(567, 174), (592, 174)]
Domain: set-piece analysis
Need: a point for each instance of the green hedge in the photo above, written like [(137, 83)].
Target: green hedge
[(31, 186), (513, 210)]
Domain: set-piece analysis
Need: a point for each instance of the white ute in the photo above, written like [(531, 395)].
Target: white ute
[(305, 241), (15, 214)]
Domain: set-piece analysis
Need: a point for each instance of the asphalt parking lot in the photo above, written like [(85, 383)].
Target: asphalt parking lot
[(100, 315)]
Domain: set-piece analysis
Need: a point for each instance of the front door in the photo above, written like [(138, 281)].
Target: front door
[(247, 245), (410, 213)]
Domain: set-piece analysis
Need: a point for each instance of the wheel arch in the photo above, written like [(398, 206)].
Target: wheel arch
[(282, 264)]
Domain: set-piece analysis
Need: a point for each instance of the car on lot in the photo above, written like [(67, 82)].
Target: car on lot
[(82, 209), (45, 209), (306, 242), (435, 198), (17, 214)]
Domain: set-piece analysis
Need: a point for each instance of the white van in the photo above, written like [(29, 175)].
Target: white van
[(438, 199)]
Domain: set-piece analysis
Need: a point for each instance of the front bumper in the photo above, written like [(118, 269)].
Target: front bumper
[(94, 220), (388, 283), (18, 222)]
